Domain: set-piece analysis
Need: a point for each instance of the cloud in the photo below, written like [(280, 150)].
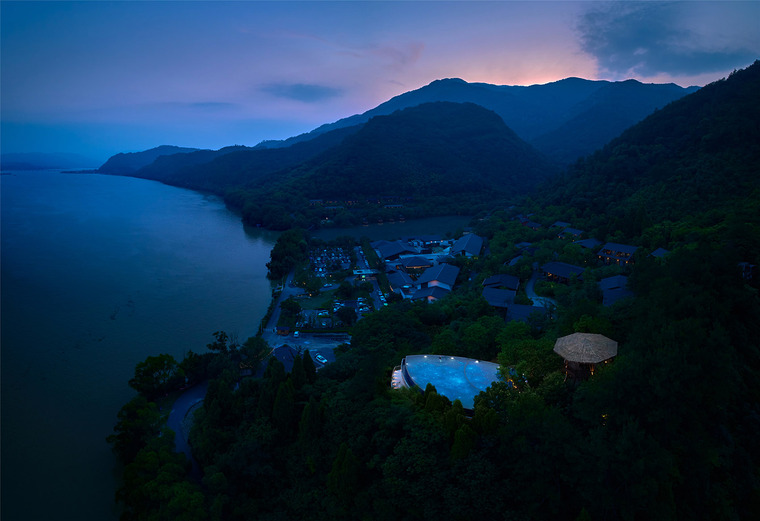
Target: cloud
[(213, 105), (648, 38), (399, 58), (304, 92)]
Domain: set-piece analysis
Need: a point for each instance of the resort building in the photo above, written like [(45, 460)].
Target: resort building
[(502, 281), (582, 352), (499, 298), (430, 294), (614, 253), (613, 289), (468, 245), (561, 272), (590, 244), (392, 250), (443, 275)]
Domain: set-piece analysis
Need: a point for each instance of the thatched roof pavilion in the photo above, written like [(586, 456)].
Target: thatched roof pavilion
[(582, 351)]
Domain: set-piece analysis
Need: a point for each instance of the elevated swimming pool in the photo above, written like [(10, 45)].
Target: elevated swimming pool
[(454, 377)]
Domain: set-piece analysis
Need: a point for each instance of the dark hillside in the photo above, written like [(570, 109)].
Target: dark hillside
[(700, 154), (219, 171), (613, 109), (435, 149), (433, 159), (129, 163)]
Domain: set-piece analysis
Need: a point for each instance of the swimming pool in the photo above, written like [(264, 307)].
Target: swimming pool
[(454, 377)]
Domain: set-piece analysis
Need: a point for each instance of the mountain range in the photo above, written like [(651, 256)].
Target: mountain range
[(564, 120), (435, 150)]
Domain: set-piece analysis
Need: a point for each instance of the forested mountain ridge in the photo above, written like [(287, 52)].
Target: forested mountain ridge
[(434, 158), (434, 149), (557, 118), (565, 119), (697, 158), (130, 162), (233, 167)]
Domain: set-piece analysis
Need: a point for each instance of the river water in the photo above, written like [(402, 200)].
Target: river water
[(99, 272)]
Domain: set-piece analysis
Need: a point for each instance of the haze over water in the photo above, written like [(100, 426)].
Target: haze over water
[(98, 273)]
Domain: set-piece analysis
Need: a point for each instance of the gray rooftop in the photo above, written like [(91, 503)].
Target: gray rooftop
[(500, 298), (445, 273), (433, 292), (502, 280), (562, 269), (470, 244)]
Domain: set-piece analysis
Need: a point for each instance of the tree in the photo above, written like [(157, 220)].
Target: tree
[(345, 290), (298, 373), (309, 368), (139, 422), (310, 426), (346, 315), (343, 479), (194, 367), (157, 375), (284, 414), (255, 350), (220, 343), (464, 441), (291, 307)]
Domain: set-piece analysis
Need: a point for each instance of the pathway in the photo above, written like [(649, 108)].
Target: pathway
[(184, 404), (541, 302)]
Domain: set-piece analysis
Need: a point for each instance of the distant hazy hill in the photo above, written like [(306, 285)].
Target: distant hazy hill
[(565, 119), (129, 163), (231, 167), (697, 155), (41, 161)]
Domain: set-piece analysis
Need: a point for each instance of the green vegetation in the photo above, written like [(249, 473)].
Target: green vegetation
[(434, 159), (290, 249), (667, 431)]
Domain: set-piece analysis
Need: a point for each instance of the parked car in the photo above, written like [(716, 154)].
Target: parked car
[(321, 359), (296, 334)]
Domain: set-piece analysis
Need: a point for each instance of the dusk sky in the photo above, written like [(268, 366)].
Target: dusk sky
[(98, 78)]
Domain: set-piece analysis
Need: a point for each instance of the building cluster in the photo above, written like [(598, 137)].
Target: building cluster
[(419, 268)]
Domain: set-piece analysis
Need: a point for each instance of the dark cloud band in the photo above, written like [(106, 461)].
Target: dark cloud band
[(307, 93), (648, 38)]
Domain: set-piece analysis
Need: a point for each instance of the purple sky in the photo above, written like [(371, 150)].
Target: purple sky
[(99, 78)]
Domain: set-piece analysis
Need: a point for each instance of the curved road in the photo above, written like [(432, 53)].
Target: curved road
[(179, 411)]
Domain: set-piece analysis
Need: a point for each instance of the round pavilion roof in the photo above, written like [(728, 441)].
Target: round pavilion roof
[(586, 348)]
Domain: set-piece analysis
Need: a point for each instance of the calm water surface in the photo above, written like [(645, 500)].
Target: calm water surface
[(99, 272)]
